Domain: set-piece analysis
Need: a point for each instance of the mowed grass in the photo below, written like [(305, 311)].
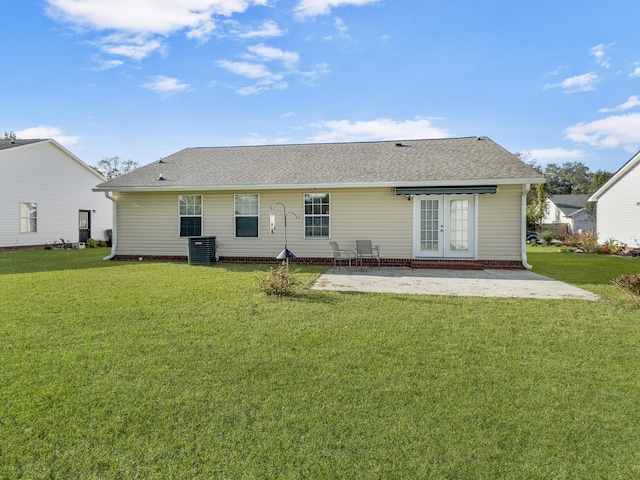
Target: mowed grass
[(163, 370)]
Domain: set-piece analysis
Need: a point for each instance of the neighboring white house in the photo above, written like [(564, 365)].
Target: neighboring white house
[(454, 202), (618, 205), (46, 194), (569, 210)]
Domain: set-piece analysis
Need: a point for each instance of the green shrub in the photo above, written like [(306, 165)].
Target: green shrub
[(628, 283), (546, 236), (279, 281), (93, 243)]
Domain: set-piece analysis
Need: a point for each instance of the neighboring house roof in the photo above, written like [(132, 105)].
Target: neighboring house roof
[(460, 161), (19, 143), (626, 168), (569, 205), (4, 144)]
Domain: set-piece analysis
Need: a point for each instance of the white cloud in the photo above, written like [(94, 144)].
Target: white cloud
[(553, 155), (615, 131), (289, 59), (265, 79), (48, 132), (599, 53), (313, 8), (317, 71), (379, 129), (138, 24), (341, 27), (636, 72), (166, 85), (579, 83), (107, 64), (146, 16), (268, 29), (131, 46), (633, 101), (246, 69)]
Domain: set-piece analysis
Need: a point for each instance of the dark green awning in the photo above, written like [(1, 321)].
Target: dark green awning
[(455, 190)]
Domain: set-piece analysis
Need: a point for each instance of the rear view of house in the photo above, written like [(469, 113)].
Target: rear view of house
[(46, 194), (456, 201)]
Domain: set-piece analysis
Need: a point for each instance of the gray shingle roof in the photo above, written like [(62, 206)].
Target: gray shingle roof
[(569, 204), (472, 160), (4, 144)]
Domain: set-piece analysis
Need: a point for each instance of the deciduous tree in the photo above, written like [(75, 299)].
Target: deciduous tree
[(113, 167)]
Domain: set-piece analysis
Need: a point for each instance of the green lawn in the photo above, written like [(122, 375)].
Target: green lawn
[(165, 370)]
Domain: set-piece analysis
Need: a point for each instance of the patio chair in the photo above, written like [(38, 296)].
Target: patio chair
[(364, 249), (340, 256)]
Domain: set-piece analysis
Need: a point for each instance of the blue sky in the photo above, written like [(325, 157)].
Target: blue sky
[(146, 78)]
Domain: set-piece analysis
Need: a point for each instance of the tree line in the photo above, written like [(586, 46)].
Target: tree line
[(570, 178)]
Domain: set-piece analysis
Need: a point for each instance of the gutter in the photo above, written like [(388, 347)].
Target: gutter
[(525, 190), (162, 186), (114, 235)]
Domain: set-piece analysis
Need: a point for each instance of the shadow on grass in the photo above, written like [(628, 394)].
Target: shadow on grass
[(35, 261)]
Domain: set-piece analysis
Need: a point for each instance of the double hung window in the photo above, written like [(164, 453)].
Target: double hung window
[(316, 215), (190, 211), (247, 208), (28, 217)]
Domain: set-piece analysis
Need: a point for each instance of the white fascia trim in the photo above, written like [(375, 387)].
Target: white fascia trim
[(613, 180), (201, 188)]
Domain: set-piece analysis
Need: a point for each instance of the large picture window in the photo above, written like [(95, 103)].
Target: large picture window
[(247, 210), (190, 209), (28, 217), (316, 215)]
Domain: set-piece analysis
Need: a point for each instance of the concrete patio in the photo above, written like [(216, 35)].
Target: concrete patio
[(474, 283)]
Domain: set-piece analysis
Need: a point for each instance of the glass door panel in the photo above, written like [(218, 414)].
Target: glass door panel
[(429, 231)]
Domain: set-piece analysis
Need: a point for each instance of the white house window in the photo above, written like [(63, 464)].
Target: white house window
[(316, 215), (190, 209), (28, 217), (247, 210)]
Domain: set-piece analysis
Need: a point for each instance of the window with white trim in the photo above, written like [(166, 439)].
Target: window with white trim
[(247, 208), (28, 217), (190, 212), (316, 215)]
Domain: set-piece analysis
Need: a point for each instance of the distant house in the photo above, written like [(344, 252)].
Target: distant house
[(451, 202), (618, 205), (46, 194), (569, 213)]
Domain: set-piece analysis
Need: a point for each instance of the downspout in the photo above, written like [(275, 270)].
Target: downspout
[(525, 190), (113, 228)]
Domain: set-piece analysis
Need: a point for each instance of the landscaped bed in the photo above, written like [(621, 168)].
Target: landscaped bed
[(165, 370)]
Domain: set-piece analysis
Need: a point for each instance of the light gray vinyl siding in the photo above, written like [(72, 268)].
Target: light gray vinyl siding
[(500, 224)]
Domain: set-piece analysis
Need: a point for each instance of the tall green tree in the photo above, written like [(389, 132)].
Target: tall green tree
[(598, 179), (568, 179), (536, 196), (112, 167)]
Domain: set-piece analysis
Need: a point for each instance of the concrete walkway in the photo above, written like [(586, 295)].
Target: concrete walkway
[(473, 283)]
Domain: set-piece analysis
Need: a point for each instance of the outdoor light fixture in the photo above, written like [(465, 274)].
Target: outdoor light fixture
[(285, 254)]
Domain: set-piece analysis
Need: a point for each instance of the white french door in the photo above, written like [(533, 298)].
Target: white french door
[(444, 226)]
